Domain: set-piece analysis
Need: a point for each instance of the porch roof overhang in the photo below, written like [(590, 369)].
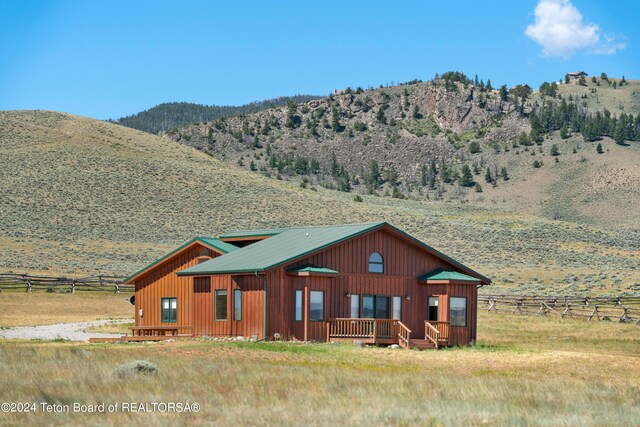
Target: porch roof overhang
[(441, 276), (311, 270)]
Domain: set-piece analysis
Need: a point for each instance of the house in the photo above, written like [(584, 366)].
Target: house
[(368, 282), (577, 74)]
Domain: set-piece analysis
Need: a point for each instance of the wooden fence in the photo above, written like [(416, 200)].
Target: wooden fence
[(31, 283), (622, 309)]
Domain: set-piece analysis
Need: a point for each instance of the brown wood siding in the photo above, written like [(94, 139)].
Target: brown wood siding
[(403, 263), (163, 282), (252, 306)]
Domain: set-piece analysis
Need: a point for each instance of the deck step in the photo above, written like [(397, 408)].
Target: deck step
[(421, 344)]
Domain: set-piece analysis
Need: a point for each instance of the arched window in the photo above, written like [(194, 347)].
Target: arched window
[(376, 263)]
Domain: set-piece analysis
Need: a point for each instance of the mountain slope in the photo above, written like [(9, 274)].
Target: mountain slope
[(82, 195), (422, 135), (171, 115)]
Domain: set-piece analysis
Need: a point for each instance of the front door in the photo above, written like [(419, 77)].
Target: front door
[(433, 308)]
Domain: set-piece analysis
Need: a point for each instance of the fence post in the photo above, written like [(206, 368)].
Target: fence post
[(28, 283), (73, 286), (117, 291)]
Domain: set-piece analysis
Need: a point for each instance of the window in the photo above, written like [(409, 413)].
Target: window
[(169, 308), (316, 306), (432, 310), (375, 307), (355, 306), (237, 304), (376, 263), (220, 300), (298, 305), (397, 308), (458, 308), (368, 306)]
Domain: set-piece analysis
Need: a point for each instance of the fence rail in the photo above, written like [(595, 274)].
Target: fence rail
[(31, 283), (623, 309)]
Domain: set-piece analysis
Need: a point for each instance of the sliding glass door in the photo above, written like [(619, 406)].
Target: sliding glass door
[(376, 307)]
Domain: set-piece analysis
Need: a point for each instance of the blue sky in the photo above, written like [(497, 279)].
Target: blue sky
[(108, 59)]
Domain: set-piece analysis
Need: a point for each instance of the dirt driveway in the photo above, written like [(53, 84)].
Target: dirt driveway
[(65, 331)]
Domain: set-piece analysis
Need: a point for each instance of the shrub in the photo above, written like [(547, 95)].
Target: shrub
[(359, 126), (135, 368), (474, 147), (357, 198)]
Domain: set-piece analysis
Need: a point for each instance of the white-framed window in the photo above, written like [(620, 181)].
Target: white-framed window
[(169, 309), (397, 308), (355, 306), (297, 305), (237, 304)]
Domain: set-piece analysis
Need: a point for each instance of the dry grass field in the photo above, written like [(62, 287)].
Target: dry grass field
[(40, 308), (523, 371)]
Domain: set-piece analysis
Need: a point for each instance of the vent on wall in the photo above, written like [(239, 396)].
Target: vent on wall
[(203, 255)]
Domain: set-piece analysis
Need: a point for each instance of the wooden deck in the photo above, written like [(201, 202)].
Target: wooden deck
[(159, 331), (386, 332)]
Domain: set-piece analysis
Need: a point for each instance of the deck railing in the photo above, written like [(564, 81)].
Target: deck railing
[(404, 334), (384, 329), (437, 332), (352, 328)]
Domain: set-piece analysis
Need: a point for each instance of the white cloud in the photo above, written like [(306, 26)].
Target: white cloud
[(561, 31)]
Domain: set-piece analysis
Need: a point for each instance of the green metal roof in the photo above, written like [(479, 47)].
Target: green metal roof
[(285, 245), (441, 274), (253, 233), (218, 244), (223, 247), (308, 268)]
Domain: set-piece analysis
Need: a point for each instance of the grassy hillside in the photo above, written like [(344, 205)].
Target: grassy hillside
[(423, 135), (80, 195)]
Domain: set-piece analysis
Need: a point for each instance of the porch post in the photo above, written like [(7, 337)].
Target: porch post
[(306, 310)]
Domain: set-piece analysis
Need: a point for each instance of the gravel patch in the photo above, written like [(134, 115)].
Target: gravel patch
[(64, 331)]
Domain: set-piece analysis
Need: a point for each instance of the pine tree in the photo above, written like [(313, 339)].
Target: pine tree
[(381, 117), (434, 170), (504, 174), (564, 131), (466, 179), (335, 166), (487, 176), (489, 88), (599, 149), (293, 120), (416, 112), (478, 188), (374, 174), (335, 120), (423, 175), (554, 150), (503, 92)]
